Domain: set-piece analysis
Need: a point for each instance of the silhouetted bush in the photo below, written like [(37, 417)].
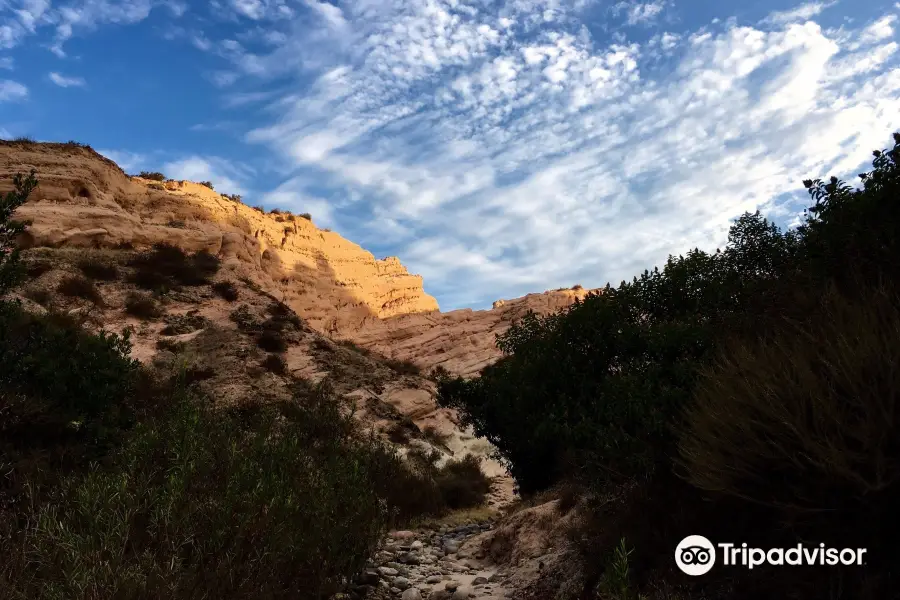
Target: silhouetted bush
[(153, 175), (50, 365), (207, 184), (797, 422), (226, 290), (271, 341), (462, 484), (142, 307), (97, 269), (404, 367), (75, 286), (166, 266), (11, 272), (306, 216), (275, 364)]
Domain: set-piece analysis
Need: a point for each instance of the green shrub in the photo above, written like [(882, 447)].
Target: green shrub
[(96, 269), (142, 307), (75, 286), (60, 387), (10, 268), (153, 175), (267, 502), (226, 290)]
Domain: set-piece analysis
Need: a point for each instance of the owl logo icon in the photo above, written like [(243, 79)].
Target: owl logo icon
[(695, 555)]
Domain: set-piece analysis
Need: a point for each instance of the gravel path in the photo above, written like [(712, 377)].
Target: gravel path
[(423, 565)]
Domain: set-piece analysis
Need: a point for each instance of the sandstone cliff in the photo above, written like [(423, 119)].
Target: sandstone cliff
[(86, 201)]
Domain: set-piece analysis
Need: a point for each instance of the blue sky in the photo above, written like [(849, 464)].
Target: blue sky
[(498, 147)]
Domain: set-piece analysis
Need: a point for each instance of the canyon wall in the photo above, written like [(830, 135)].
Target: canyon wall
[(340, 289)]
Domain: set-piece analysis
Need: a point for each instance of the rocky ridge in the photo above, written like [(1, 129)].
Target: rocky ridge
[(85, 200)]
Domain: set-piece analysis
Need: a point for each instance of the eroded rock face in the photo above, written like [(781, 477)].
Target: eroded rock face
[(461, 341), (340, 289), (85, 200)]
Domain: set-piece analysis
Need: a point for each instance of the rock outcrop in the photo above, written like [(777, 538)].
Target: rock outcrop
[(461, 341), (86, 201)]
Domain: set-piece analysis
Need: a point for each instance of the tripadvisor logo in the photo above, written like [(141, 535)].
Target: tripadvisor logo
[(696, 555)]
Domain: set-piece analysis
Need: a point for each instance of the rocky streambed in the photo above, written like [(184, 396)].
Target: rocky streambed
[(423, 565)]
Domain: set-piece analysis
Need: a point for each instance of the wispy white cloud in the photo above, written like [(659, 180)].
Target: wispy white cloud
[(6, 62), (130, 162), (63, 81), (23, 18), (220, 172), (500, 154), (639, 13), (803, 13), (881, 29), (12, 91)]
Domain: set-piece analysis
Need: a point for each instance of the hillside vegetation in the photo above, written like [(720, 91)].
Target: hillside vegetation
[(748, 395), (125, 480)]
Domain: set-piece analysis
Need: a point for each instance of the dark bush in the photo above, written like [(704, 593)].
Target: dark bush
[(226, 290), (198, 496), (431, 434), (170, 345), (35, 269), (275, 364), (180, 324), (271, 341), (58, 367), (259, 209), (142, 307), (403, 367), (306, 216), (797, 422), (11, 271), (75, 286), (207, 184), (462, 484), (166, 266), (41, 296), (96, 269), (154, 175)]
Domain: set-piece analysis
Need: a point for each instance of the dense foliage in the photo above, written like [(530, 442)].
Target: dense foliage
[(763, 374), (118, 481)]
